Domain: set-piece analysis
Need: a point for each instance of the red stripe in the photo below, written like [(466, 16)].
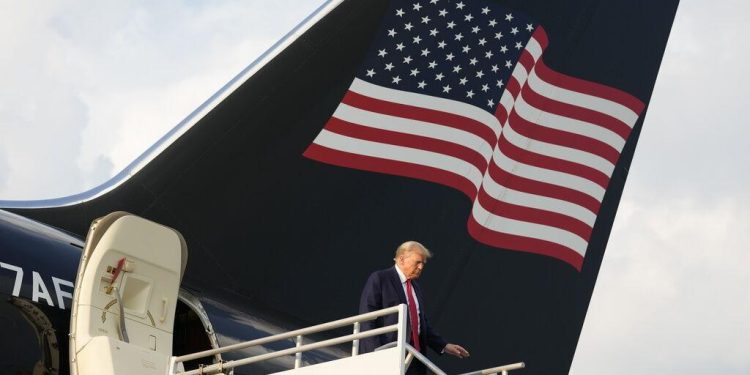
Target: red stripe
[(588, 87), (533, 215), (526, 60), (421, 114), (525, 244), (544, 189), (562, 138), (512, 89), (541, 37), (501, 113), (579, 113), (387, 166), (353, 130), (542, 161)]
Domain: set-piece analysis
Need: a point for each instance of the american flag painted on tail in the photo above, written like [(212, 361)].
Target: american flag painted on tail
[(457, 93)]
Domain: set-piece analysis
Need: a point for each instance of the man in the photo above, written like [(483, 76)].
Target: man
[(392, 286)]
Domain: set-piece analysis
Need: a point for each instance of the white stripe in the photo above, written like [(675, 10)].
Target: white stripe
[(550, 120), (526, 229), (560, 152), (534, 48), (520, 74), (425, 129), (399, 153), (594, 103), (425, 101), (506, 100), (549, 176), (519, 198)]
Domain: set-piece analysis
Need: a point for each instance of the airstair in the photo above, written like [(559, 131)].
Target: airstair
[(393, 358), (120, 267)]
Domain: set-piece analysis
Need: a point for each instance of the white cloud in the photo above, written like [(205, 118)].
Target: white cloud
[(694, 138), (91, 85), (4, 170), (39, 115), (672, 292)]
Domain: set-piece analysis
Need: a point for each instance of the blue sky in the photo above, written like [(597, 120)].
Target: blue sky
[(88, 86)]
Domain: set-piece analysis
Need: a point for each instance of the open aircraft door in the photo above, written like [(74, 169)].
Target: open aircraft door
[(125, 296)]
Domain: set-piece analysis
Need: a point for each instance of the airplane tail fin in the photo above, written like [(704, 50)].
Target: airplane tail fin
[(306, 171)]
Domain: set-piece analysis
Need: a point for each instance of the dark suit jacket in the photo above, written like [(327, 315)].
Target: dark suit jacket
[(383, 289)]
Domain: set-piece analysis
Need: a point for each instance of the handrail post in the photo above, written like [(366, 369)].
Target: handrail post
[(401, 336), (298, 356), (355, 343), (172, 365)]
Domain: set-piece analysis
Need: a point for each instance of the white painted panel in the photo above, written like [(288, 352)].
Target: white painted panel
[(104, 355), (384, 362)]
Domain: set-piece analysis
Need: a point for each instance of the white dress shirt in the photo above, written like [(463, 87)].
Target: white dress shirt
[(413, 293)]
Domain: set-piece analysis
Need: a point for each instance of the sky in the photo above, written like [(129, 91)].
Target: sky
[(87, 86)]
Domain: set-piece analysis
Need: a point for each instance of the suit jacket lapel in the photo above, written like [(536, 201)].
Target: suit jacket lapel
[(396, 283)]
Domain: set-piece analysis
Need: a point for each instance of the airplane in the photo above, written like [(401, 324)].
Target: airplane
[(498, 133)]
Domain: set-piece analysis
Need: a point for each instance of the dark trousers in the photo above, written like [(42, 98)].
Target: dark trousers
[(416, 368)]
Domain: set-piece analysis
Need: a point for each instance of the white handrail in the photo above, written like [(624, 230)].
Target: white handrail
[(412, 354), (419, 356), (354, 338), (500, 369), (259, 358), (299, 332), (490, 371)]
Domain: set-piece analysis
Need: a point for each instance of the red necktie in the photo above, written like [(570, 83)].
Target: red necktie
[(413, 316)]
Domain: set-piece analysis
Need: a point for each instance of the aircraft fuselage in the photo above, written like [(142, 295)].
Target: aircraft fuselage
[(38, 266), (37, 269)]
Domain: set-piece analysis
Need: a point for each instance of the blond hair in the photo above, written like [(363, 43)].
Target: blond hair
[(410, 246)]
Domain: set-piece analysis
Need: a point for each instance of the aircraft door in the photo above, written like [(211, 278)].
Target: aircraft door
[(125, 296)]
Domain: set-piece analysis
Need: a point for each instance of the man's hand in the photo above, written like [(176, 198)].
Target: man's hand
[(456, 350)]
